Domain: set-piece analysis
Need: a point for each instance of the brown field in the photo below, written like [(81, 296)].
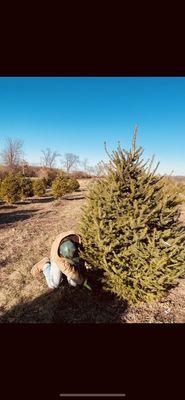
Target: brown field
[(27, 230)]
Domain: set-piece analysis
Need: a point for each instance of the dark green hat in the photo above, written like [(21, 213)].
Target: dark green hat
[(68, 249)]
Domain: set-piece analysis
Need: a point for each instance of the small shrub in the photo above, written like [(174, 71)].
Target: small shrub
[(47, 175), (45, 183), (60, 186), (38, 187), (10, 190), (73, 184), (64, 184), (26, 188)]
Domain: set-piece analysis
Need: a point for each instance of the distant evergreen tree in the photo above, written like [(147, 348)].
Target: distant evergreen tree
[(38, 187), (64, 184), (73, 183), (60, 185), (10, 190), (26, 186), (131, 230)]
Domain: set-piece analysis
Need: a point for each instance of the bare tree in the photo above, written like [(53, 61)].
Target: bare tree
[(70, 162), (85, 165), (49, 158), (12, 154), (91, 170), (25, 166), (101, 168)]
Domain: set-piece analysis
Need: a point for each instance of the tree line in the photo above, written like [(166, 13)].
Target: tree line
[(12, 159), (19, 180)]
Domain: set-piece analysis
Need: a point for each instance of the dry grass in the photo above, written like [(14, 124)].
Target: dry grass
[(26, 233)]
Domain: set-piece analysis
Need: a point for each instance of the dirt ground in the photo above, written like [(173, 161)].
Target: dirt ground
[(27, 230)]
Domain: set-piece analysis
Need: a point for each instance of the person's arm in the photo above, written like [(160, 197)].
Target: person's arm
[(37, 268), (70, 271)]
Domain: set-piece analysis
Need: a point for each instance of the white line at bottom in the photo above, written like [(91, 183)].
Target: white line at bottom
[(92, 394)]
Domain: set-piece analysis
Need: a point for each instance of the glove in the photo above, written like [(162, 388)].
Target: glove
[(85, 284)]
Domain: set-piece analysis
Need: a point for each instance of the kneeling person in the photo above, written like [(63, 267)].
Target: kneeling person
[(64, 259)]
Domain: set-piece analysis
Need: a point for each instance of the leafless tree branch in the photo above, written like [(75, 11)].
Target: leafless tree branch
[(49, 158), (70, 162), (12, 154)]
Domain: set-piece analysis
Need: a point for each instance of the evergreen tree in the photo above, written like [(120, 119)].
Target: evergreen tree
[(60, 186), (11, 188), (73, 183), (64, 184), (26, 187), (38, 187), (131, 230)]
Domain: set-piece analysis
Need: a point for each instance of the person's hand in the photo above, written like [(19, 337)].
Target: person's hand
[(35, 271)]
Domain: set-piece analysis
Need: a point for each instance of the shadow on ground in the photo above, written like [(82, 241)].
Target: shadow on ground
[(6, 206), (30, 200), (68, 305), (73, 197), (15, 216)]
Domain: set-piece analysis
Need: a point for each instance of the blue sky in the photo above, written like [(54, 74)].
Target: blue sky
[(78, 114)]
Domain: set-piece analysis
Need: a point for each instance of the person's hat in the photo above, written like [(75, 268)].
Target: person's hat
[(68, 249)]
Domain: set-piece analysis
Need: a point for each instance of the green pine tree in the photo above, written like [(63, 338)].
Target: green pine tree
[(73, 184), (38, 187), (131, 230), (26, 187), (64, 184), (10, 190)]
